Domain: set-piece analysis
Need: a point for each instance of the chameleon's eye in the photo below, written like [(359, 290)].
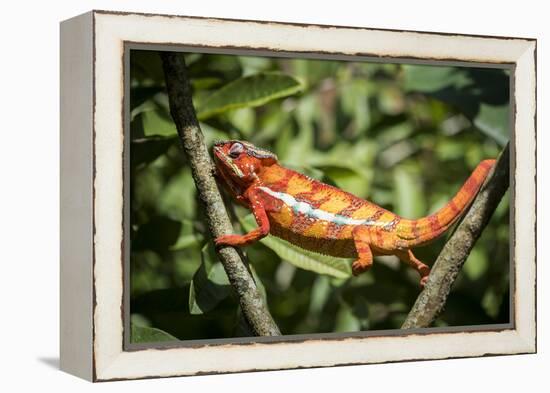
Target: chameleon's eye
[(235, 150)]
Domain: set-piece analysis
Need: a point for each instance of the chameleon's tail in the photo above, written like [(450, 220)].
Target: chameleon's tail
[(426, 229)]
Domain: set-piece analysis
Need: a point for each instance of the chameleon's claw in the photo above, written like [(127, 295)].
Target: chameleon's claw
[(358, 267), (423, 281)]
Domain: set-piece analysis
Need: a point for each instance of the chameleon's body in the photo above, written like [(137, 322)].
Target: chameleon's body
[(325, 219)]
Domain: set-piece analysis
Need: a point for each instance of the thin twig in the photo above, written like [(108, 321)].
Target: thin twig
[(432, 299), (181, 107)]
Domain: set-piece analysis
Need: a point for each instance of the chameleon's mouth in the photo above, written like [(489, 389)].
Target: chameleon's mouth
[(226, 171), (226, 161)]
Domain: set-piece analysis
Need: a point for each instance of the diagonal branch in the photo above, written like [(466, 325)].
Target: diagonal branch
[(181, 107), (432, 299)]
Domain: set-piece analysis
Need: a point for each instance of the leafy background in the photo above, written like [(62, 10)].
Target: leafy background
[(403, 136)]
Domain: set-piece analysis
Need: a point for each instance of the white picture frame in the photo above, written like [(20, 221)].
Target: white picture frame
[(92, 321)]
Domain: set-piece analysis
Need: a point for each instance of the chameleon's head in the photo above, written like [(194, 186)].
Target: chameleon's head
[(238, 163)]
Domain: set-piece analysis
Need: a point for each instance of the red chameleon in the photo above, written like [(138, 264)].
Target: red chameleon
[(324, 219)]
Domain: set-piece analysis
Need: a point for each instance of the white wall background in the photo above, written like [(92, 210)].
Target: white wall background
[(29, 196)]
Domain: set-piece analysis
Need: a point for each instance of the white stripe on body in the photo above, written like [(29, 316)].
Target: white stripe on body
[(308, 210)]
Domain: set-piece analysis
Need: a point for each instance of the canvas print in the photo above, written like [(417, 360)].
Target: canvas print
[(342, 180)]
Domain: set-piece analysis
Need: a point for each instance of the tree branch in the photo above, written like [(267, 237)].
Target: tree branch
[(181, 107), (432, 299)]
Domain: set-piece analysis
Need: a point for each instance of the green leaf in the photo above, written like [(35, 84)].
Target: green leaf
[(212, 134), (272, 123), (185, 241), (226, 67), (354, 98), (146, 68), (391, 100), (205, 83), (210, 284), (188, 237), (146, 150), (299, 146), (493, 121), (143, 334), (158, 123), (147, 184), (249, 91), (449, 149), (348, 178), (348, 166), (144, 272), (140, 94), (243, 119), (252, 64), (477, 264), (304, 259), (320, 293), (429, 79), (409, 199), (157, 234), (315, 71), (482, 95), (395, 133), (492, 301), (177, 197), (346, 321)]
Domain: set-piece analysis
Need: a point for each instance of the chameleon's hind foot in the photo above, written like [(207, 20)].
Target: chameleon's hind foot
[(423, 281), (423, 269), (360, 265)]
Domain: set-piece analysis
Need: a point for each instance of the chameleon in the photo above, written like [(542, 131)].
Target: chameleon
[(325, 219)]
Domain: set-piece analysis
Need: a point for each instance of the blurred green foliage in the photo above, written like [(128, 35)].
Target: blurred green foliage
[(403, 136)]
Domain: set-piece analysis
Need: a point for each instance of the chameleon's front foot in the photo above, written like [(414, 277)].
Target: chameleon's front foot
[(231, 240)]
